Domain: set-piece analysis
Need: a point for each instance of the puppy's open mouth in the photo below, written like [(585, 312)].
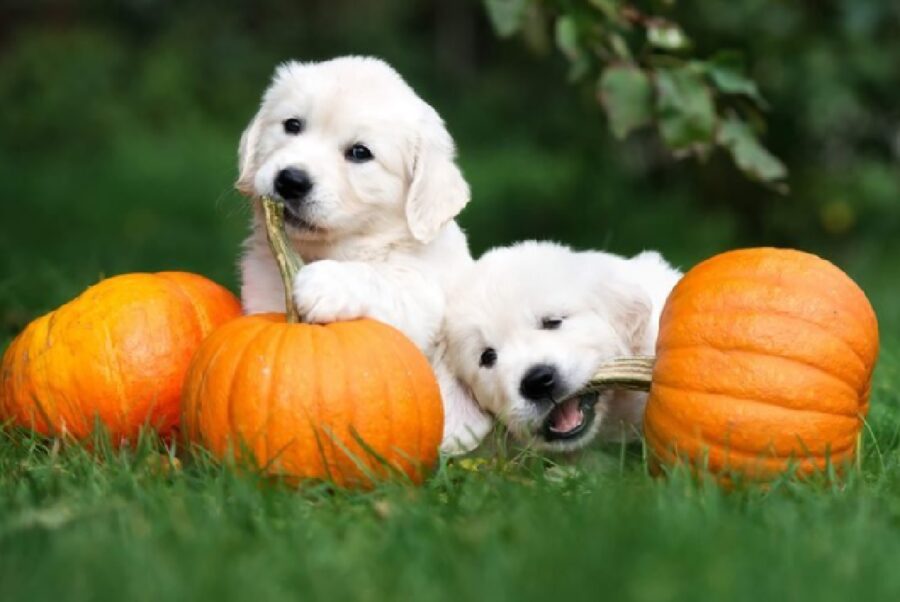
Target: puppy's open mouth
[(570, 417)]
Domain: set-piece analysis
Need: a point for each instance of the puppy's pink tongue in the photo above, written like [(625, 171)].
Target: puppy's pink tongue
[(566, 416)]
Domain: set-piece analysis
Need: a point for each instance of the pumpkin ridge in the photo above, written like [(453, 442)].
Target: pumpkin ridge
[(360, 336), (29, 371), (372, 329), (743, 310), (44, 394), (420, 423), (44, 390), (232, 420), (767, 461), (263, 388), (391, 412), (695, 290), (340, 446), (705, 282), (393, 459), (835, 456), (756, 352), (273, 381), (53, 404), (115, 377), (13, 375), (350, 419), (195, 392), (676, 432), (757, 276), (757, 402), (765, 261), (201, 317), (315, 353), (47, 397)]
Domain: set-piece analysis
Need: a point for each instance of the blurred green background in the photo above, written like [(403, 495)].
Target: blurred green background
[(120, 121)]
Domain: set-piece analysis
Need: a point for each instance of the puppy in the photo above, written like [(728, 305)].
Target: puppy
[(366, 171), (529, 326)]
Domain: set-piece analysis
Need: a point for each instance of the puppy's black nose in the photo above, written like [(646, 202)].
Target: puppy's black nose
[(539, 382), (293, 184)]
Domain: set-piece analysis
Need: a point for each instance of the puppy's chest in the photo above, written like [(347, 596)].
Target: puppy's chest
[(339, 251)]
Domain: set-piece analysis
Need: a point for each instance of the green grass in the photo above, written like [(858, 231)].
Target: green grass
[(125, 525), (119, 526)]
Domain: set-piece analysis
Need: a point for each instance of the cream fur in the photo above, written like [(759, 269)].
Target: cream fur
[(383, 243), (609, 305)]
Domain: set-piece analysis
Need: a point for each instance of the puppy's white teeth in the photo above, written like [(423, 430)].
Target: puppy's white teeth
[(567, 416)]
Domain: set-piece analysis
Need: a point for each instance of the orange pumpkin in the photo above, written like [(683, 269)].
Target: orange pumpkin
[(764, 361), (118, 353), (349, 402), (764, 357)]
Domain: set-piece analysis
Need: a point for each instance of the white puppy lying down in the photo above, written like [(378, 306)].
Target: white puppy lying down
[(367, 175), (530, 324)]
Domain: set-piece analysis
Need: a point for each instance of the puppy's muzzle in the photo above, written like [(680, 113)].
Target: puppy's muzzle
[(293, 185), (539, 383)]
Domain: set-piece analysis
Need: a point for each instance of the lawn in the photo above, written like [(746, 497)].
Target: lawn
[(134, 525)]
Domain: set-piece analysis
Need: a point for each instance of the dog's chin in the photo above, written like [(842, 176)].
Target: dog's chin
[(570, 425), (301, 225)]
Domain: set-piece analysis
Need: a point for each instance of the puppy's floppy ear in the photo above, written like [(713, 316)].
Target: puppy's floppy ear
[(632, 313), (465, 423), (621, 299), (438, 191), (247, 157)]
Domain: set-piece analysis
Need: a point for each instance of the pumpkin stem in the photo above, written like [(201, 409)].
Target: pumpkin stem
[(631, 373), (289, 263)]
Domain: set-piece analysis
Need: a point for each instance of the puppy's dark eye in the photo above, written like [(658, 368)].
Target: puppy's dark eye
[(550, 323), (293, 126), (488, 358), (358, 153)]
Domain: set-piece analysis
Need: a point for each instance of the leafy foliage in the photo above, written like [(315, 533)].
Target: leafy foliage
[(647, 76)]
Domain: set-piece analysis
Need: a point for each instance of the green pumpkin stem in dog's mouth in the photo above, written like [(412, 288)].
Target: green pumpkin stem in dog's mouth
[(289, 263)]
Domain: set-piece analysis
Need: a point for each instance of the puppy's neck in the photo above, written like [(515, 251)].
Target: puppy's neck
[(370, 247)]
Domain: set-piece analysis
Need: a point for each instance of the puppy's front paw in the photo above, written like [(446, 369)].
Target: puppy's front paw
[(329, 291)]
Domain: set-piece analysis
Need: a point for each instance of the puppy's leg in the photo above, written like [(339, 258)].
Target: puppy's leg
[(262, 290), (465, 423), (406, 298)]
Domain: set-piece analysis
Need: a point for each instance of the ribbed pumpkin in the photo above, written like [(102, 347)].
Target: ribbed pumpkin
[(764, 359), (118, 353), (349, 402)]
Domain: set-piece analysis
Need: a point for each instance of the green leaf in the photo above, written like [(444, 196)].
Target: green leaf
[(627, 95), (579, 67), (567, 36), (666, 35), (610, 8), (685, 109), (619, 46), (506, 15), (726, 70), (749, 155)]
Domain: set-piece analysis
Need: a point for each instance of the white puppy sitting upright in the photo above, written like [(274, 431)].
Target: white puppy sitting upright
[(529, 326), (370, 188)]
